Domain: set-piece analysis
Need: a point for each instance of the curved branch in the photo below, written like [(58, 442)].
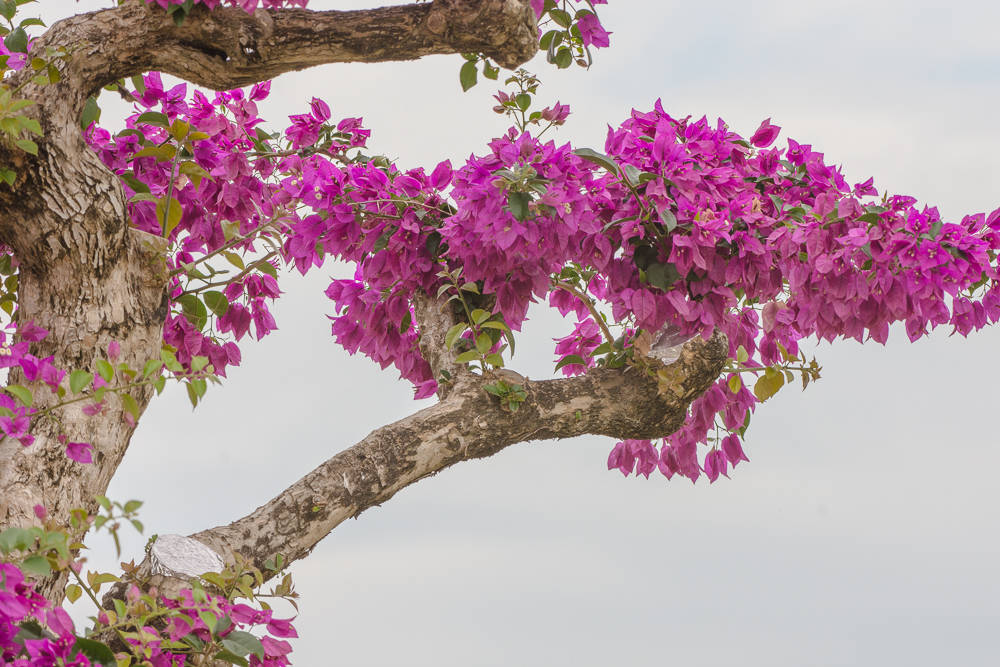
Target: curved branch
[(467, 425), (227, 48)]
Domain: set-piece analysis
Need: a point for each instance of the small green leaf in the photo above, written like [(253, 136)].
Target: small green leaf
[(571, 359), (453, 334), (91, 112), (20, 393), (467, 356), (517, 204), (483, 343), (479, 316), (243, 643), (599, 159), (152, 366), (130, 405), (168, 213), (73, 593), (467, 75), (79, 379), (169, 360), (132, 505), (105, 370), (37, 566), (27, 145), (669, 219), (153, 118), (494, 325), (97, 652), (16, 41), (735, 384), (164, 153)]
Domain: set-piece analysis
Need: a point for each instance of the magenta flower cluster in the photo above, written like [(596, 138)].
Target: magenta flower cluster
[(685, 226), (57, 644)]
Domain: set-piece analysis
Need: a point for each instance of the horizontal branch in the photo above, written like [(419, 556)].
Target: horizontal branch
[(468, 424), (226, 47)]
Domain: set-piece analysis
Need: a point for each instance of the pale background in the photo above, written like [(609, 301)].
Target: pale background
[(862, 532)]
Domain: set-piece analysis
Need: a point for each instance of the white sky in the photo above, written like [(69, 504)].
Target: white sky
[(862, 532)]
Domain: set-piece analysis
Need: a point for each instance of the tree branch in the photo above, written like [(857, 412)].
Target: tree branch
[(468, 424), (227, 48), (434, 319)]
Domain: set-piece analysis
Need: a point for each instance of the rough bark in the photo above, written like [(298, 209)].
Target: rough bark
[(468, 424)]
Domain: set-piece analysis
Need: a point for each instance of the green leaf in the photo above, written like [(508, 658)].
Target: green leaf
[(132, 505), (243, 643), (16, 41), (564, 58), (130, 405), (561, 17), (27, 145), (735, 384), (523, 101), (483, 343), (192, 395), (234, 259), (20, 393), (79, 379), (226, 655), (193, 171), (571, 359), (8, 176), (105, 370), (168, 213), (164, 153), (479, 316), (169, 360), (37, 566), (453, 334), (600, 159), (662, 275), (31, 125), (194, 310), (96, 651), (467, 75), (199, 362), (467, 356), (669, 219), (518, 205), (768, 384), (73, 593), (152, 366), (15, 539), (494, 325), (153, 118)]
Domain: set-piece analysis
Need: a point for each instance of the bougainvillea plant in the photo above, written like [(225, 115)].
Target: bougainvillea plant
[(691, 258)]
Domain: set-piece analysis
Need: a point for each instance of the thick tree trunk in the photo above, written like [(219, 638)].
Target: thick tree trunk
[(89, 279)]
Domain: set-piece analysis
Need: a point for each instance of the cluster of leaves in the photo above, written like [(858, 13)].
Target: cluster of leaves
[(143, 628), (17, 128), (567, 33)]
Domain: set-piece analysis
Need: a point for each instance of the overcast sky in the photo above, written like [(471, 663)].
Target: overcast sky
[(862, 532)]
